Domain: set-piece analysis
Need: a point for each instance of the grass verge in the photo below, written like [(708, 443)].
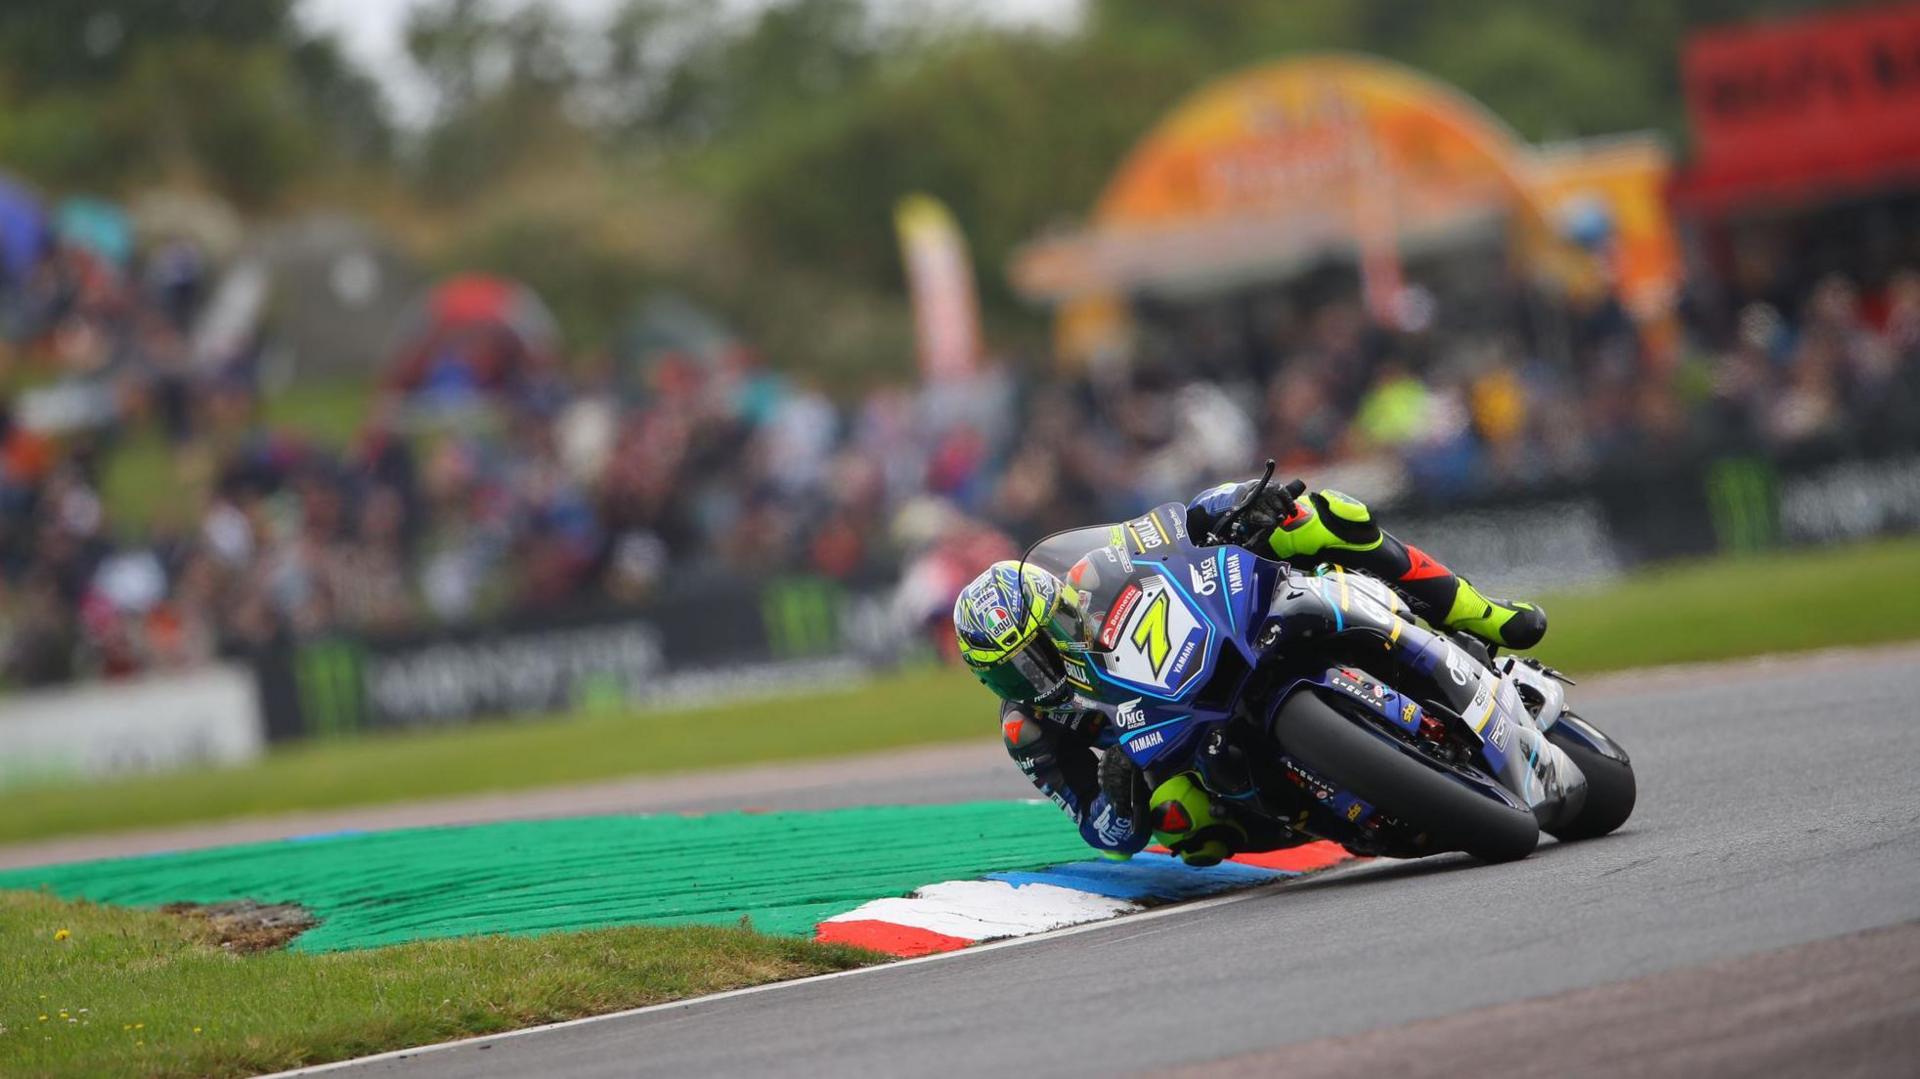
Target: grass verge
[(1699, 611), (127, 992), (918, 707), (1725, 608)]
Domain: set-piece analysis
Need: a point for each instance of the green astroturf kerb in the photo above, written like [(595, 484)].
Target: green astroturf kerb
[(784, 871)]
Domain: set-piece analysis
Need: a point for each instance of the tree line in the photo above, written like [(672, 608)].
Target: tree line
[(750, 159)]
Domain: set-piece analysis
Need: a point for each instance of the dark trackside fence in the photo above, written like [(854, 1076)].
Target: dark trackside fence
[(729, 636), (725, 637)]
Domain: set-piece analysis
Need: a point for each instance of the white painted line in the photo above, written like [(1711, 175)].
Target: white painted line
[(988, 909), (1156, 913)]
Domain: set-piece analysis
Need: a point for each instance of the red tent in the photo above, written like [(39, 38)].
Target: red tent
[(474, 332)]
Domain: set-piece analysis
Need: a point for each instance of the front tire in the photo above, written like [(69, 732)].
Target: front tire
[(1401, 784)]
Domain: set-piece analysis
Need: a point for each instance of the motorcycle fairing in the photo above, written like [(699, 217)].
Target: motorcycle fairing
[(1163, 644), (1147, 668)]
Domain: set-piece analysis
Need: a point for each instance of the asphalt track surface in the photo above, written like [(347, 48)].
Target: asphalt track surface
[(1719, 933)]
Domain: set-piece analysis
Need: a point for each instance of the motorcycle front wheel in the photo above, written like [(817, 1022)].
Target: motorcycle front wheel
[(1399, 782)]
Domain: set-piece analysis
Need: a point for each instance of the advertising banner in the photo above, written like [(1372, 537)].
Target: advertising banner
[(1850, 501), (1522, 549), (1613, 192), (729, 638), (1783, 109), (946, 312), (721, 640), (151, 724)]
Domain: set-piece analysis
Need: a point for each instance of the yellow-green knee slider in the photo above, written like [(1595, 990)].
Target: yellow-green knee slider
[(1183, 822)]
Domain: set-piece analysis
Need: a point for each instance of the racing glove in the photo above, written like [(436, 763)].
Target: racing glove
[(1116, 822), (1268, 508)]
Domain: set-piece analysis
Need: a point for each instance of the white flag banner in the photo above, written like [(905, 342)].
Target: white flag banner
[(946, 313)]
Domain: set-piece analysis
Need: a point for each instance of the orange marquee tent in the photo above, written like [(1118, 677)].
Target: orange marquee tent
[(1268, 169)]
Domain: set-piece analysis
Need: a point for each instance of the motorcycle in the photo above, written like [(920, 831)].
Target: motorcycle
[(1316, 705)]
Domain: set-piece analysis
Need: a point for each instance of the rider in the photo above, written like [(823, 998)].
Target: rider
[(1000, 622)]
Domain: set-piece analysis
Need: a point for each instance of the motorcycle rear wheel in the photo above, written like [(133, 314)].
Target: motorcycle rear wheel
[(1611, 790), (1399, 782)]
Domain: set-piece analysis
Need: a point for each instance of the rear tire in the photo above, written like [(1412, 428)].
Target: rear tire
[(1400, 783), (1611, 791)]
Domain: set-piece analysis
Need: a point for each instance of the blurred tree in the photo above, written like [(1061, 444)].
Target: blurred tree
[(659, 71), (501, 83), (966, 124), (214, 112), (794, 124), (1017, 130), (57, 44), (680, 71), (233, 94)]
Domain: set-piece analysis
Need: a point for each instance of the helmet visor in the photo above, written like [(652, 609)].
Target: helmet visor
[(1033, 673), (1069, 624)]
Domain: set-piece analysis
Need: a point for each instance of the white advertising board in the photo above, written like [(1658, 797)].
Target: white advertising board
[(151, 724)]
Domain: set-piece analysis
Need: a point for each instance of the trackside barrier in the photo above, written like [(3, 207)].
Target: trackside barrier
[(155, 723), (727, 636)]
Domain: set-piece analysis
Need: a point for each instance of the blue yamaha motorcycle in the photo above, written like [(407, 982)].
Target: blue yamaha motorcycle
[(1315, 705)]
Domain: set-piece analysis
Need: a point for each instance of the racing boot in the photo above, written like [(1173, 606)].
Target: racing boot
[(1335, 527), (1511, 624)]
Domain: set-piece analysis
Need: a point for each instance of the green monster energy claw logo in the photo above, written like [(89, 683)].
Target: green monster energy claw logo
[(1741, 496), (802, 617), (326, 677)]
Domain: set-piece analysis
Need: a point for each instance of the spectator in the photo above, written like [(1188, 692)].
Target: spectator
[(541, 490)]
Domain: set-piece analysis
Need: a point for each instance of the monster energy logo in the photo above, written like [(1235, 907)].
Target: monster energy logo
[(1740, 495), (327, 679), (802, 616)]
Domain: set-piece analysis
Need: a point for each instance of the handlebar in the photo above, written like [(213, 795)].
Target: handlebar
[(1222, 530)]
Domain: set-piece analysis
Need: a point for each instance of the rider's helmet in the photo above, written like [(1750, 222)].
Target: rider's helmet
[(1002, 620)]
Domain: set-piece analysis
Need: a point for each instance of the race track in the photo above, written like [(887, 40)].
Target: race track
[(1780, 806)]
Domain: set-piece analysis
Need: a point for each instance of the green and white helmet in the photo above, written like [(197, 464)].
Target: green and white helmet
[(1001, 620)]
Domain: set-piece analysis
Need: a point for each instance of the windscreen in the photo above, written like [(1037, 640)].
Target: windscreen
[(1094, 565)]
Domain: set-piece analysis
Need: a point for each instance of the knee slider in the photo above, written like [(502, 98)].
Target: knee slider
[(1183, 821), (1019, 731)]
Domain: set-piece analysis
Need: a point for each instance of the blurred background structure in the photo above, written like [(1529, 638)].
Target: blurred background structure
[(587, 353)]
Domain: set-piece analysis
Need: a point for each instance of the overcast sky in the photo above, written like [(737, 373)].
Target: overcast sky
[(371, 30)]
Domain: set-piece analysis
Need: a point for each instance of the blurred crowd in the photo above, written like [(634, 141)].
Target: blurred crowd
[(1584, 390), (485, 485)]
